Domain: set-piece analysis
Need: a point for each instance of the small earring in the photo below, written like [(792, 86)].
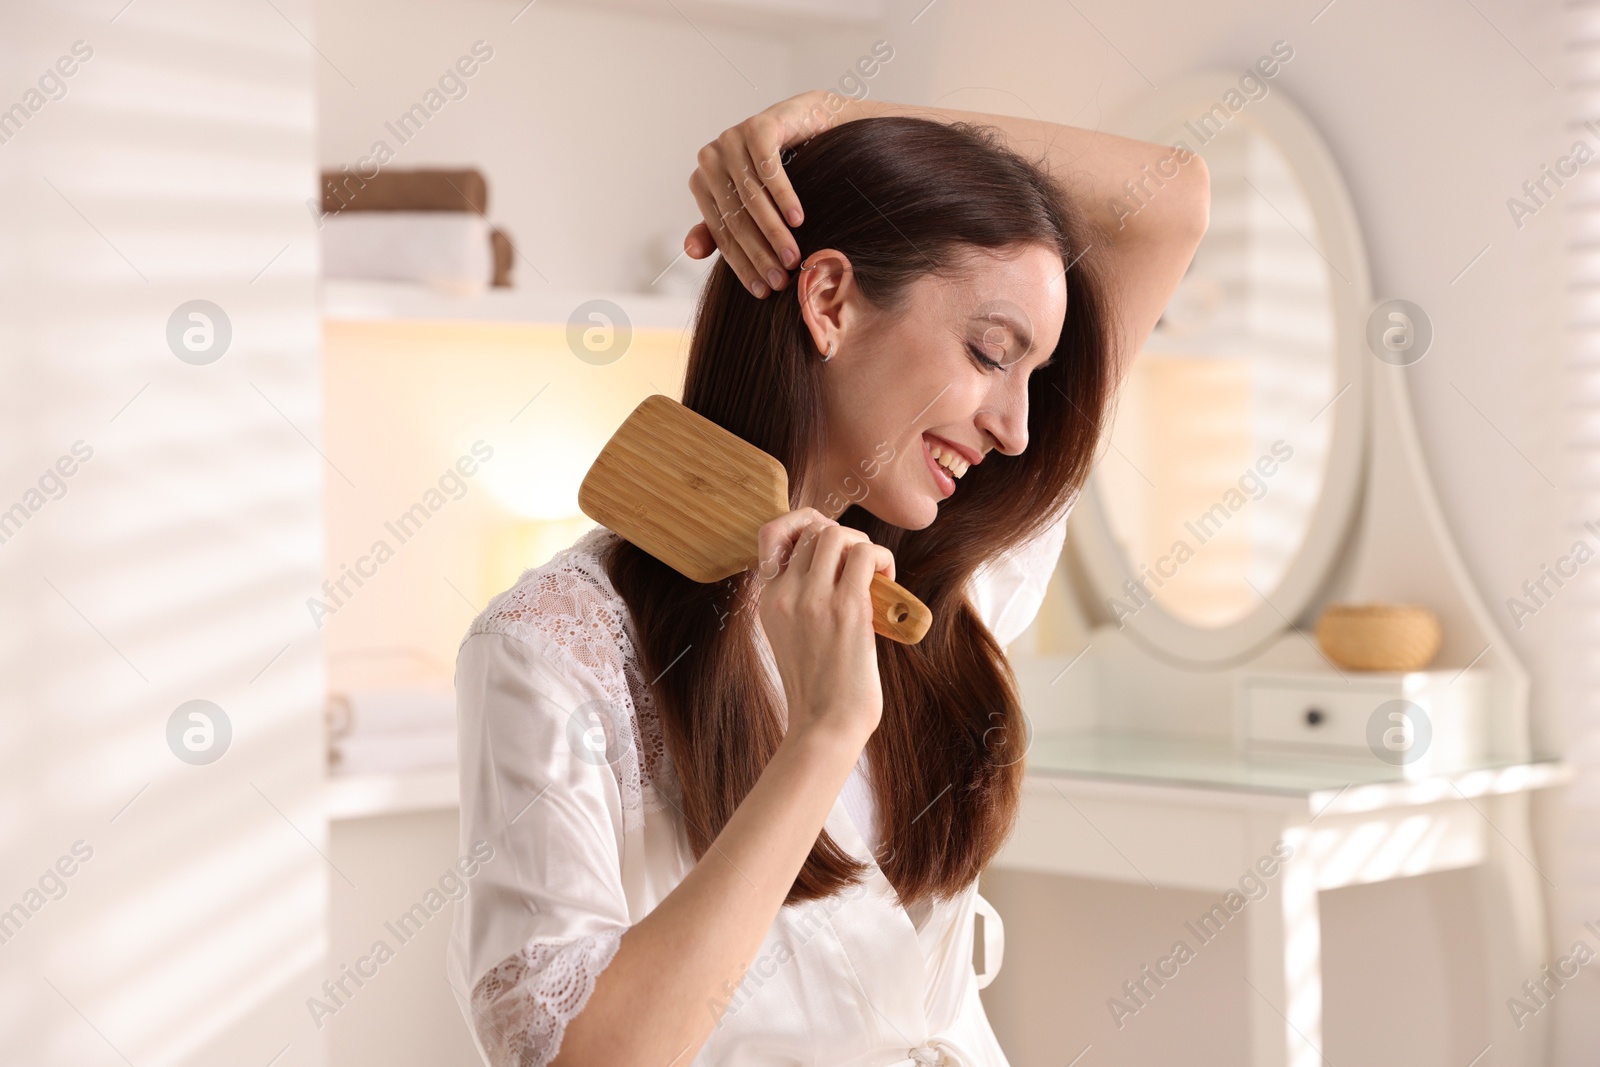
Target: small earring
[(830, 353)]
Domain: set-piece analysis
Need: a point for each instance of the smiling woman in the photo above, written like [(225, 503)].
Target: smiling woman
[(931, 253), (688, 782)]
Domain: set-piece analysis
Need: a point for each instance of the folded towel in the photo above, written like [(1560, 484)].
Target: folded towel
[(447, 250), (393, 753), (424, 189), (394, 710)]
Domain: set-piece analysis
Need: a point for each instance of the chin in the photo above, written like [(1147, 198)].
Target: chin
[(915, 514)]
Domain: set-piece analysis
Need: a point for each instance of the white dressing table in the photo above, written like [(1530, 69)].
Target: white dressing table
[(1140, 766), (1190, 814)]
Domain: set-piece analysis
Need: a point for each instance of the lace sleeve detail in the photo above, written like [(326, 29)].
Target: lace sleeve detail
[(569, 610), (523, 1005)]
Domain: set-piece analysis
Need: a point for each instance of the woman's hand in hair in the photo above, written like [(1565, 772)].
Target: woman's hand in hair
[(816, 611), (745, 196)]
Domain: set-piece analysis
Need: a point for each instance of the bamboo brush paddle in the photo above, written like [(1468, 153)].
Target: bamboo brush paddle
[(695, 496)]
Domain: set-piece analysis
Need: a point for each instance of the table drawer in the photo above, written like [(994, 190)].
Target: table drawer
[(1284, 716), (1324, 715)]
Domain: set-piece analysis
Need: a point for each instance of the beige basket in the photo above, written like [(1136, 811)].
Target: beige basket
[(1379, 637)]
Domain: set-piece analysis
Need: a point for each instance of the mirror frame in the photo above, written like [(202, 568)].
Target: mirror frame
[(1090, 532)]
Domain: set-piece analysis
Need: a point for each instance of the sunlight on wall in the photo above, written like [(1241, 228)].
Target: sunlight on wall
[(172, 568)]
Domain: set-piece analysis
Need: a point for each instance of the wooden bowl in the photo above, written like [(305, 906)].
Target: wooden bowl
[(1379, 637)]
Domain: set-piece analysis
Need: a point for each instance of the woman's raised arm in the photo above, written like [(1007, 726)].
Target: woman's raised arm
[(1151, 202)]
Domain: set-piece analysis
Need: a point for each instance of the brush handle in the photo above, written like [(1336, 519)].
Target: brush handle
[(896, 614)]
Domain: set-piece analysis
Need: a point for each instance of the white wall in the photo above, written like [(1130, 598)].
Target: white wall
[(176, 565), (407, 1014)]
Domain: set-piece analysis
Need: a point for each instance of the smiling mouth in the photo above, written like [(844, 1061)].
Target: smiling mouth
[(944, 463)]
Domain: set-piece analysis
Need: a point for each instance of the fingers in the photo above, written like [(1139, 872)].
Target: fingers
[(736, 186), (776, 252), (862, 562), (770, 169), (881, 560), (743, 233), (775, 541), (698, 242), (723, 210), (805, 543), (810, 563), (824, 554), (816, 565), (742, 191)]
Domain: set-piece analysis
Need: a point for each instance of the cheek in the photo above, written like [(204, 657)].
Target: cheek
[(860, 431), (907, 387)]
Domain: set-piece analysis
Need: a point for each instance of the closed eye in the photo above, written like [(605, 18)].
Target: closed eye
[(978, 355)]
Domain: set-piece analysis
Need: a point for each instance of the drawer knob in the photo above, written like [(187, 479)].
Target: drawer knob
[(1314, 716)]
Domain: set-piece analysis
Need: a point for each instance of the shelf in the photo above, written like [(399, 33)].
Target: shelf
[(361, 301), (1203, 763), (1212, 763), (360, 796)]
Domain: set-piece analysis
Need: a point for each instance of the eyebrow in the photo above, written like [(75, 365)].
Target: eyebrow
[(1018, 329)]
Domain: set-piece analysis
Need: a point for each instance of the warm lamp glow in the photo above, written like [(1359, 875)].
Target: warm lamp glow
[(405, 400), (516, 546), (540, 460)]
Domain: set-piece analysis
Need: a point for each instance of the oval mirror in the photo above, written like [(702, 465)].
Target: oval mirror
[(1228, 474)]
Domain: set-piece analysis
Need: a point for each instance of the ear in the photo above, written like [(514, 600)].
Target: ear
[(827, 293)]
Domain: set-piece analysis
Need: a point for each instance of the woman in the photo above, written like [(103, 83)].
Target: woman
[(731, 826)]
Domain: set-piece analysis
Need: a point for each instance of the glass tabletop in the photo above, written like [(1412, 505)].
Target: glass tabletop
[(1214, 763)]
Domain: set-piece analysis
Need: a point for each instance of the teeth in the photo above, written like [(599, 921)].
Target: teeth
[(950, 461)]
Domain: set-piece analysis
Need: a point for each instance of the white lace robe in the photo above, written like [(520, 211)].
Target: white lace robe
[(565, 774)]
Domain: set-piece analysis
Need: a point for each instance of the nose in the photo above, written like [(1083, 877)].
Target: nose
[(1006, 420)]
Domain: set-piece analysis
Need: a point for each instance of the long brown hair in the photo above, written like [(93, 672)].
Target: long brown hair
[(902, 198)]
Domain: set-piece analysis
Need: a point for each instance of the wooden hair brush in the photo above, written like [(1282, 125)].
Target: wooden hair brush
[(695, 496)]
